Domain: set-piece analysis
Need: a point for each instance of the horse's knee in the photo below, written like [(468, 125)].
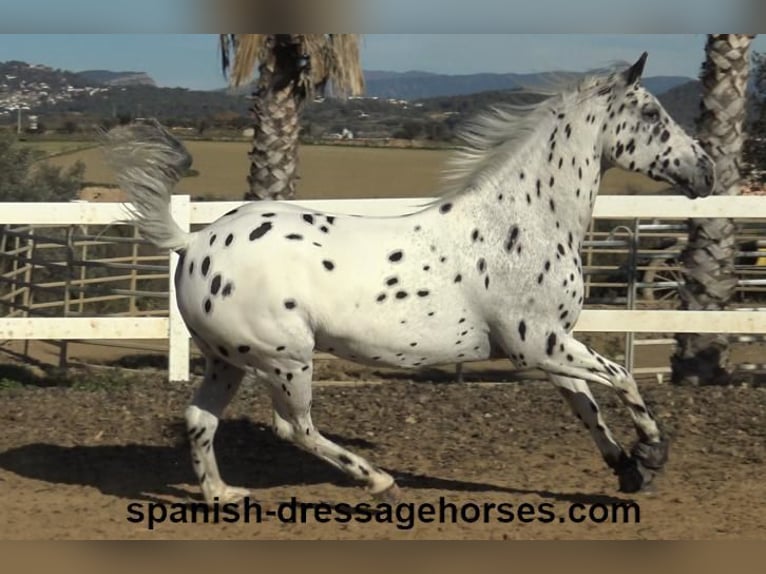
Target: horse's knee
[(197, 418)]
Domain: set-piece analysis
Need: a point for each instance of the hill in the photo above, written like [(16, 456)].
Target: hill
[(415, 85), (107, 78), (69, 102)]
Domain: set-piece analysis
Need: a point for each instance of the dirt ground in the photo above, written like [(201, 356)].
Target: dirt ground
[(74, 457)]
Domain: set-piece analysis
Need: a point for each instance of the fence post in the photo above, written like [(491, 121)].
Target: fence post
[(178, 337)]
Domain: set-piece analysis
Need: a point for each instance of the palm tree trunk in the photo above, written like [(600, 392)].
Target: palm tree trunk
[(708, 259), (276, 103)]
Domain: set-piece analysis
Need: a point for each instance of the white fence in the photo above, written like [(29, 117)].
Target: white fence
[(189, 213)]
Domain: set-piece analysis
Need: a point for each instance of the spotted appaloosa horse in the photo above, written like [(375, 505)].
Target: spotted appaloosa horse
[(492, 265)]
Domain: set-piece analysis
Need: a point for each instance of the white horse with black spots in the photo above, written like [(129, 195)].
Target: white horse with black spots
[(491, 268)]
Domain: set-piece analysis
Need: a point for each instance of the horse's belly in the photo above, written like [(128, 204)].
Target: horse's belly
[(400, 346)]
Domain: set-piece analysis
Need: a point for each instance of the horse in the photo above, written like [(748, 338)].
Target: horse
[(491, 265)]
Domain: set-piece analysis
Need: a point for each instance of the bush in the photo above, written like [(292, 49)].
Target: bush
[(24, 178)]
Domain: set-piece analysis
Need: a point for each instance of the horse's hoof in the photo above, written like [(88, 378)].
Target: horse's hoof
[(634, 476), (651, 455), (391, 495), (227, 494)]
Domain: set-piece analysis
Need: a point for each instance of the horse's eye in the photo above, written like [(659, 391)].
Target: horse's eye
[(651, 114)]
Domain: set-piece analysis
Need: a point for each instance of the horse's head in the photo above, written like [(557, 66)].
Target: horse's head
[(639, 135)]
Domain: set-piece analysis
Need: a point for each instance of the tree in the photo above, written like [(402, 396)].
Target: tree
[(708, 259), (754, 149), (24, 178), (291, 68)]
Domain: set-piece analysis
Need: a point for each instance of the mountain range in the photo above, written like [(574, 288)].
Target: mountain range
[(417, 85), (392, 99)]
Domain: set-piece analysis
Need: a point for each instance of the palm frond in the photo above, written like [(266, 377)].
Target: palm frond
[(334, 59), (241, 53)]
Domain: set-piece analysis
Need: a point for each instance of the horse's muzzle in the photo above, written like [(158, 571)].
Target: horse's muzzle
[(702, 183)]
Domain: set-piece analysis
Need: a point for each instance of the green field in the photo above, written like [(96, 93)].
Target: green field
[(327, 172)]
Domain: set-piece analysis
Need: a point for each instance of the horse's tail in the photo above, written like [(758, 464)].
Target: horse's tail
[(148, 162)]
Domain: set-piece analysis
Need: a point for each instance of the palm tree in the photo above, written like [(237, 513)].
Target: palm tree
[(291, 68), (708, 259)]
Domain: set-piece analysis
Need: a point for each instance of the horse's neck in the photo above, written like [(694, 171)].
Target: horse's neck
[(567, 190)]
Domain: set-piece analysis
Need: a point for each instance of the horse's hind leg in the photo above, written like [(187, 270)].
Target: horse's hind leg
[(211, 398), (558, 353), (290, 389), (580, 399)]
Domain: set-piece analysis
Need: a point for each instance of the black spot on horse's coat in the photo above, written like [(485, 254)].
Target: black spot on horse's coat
[(208, 305), (191, 267), (243, 349), (294, 237), (290, 304), (523, 330), (474, 235), (540, 279), (513, 236), (401, 294), (392, 281), (261, 230), (205, 266), (281, 348), (486, 282), (396, 256), (445, 208), (380, 298), (227, 289), (550, 344), (345, 460), (324, 229), (269, 214), (215, 285), (308, 218), (552, 205), (212, 239), (560, 248), (329, 265), (665, 136), (423, 293), (551, 181), (330, 219), (538, 184), (458, 278), (481, 265), (229, 239)]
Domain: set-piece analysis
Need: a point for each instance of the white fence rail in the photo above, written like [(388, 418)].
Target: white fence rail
[(189, 213)]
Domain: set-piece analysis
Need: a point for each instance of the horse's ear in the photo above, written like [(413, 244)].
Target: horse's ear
[(633, 73)]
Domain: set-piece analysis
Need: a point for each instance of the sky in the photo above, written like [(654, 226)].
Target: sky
[(192, 60)]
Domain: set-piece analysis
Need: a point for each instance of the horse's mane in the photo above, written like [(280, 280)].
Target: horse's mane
[(489, 138)]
